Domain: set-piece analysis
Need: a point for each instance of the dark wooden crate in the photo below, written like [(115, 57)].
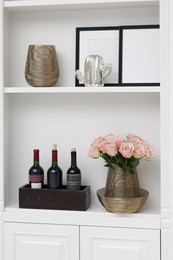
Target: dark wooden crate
[(61, 199)]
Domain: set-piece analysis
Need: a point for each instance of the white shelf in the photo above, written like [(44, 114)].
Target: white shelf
[(22, 5), (16, 90), (96, 215)]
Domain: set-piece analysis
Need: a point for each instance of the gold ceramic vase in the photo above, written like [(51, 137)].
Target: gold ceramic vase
[(122, 184), (41, 68)]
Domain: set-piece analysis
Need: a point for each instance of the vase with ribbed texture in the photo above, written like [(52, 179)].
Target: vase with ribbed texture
[(122, 193), (41, 68), (121, 183)]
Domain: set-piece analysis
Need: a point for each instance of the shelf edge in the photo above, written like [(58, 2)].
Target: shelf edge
[(75, 90), (41, 4), (146, 219)]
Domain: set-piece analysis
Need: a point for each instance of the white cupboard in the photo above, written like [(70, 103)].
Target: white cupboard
[(38, 241)]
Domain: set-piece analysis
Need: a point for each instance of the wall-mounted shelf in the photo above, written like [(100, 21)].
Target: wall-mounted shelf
[(75, 90), (29, 5)]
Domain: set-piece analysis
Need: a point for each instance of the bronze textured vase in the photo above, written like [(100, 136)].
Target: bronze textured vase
[(122, 193), (41, 69), (121, 183)]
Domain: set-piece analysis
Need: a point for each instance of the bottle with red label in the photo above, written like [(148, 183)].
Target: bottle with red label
[(36, 173)]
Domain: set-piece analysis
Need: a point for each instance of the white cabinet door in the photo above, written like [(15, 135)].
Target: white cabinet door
[(40, 242), (99, 243)]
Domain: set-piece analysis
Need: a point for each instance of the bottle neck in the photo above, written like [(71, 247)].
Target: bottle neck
[(54, 158), (73, 159), (36, 157)]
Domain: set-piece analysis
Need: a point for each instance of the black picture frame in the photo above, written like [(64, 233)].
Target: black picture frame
[(142, 39), (110, 51), (150, 34)]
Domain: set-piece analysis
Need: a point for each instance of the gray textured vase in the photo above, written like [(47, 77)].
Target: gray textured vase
[(122, 184), (94, 71), (41, 68)]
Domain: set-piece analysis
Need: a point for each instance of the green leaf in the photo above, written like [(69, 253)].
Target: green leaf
[(134, 163), (127, 167), (114, 165)]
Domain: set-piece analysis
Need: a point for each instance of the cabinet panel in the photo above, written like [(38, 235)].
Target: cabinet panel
[(122, 244), (1, 237), (31, 241)]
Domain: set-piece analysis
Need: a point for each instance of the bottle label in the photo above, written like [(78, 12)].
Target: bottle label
[(36, 185), (35, 178), (73, 181)]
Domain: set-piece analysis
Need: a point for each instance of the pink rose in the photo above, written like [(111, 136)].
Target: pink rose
[(97, 141), (110, 145), (111, 150), (126, 149), (110, 138), (148, 152), (93, 152), (136, 140), (102, 146), (114, 140), (139, 151), (108, 148), (118, 141)]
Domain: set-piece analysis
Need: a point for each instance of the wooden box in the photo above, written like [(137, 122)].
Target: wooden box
[(60, 199)]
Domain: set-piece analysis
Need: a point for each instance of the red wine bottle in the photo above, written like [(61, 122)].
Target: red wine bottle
[(36, 173), (54, 173), (73, 173)]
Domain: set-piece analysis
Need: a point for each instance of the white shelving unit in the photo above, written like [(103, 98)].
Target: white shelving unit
[(73, 116), (55, 23)]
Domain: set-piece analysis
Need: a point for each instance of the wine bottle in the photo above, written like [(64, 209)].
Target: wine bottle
[(54, 173), (73, 173), (36, 172)]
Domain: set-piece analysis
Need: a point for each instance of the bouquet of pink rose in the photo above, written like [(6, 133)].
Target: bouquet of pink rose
[(125, 153)]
